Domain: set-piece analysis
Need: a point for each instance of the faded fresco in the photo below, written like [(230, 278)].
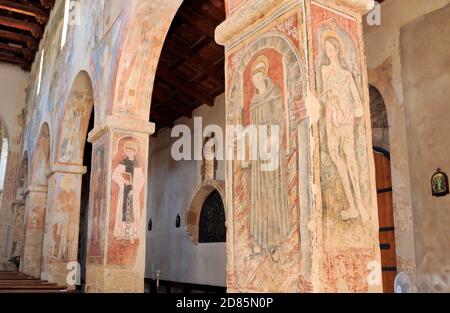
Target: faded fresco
[(127, 204), (346, 188), (266, 87), (98, 205), (76, 119)]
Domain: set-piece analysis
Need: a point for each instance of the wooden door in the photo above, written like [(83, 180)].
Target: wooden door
[(386, 219)]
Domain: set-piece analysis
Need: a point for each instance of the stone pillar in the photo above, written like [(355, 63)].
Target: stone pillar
[(117, 214), (6, 204), (62, 222), (35, 209), (309, 224), (17, 230)]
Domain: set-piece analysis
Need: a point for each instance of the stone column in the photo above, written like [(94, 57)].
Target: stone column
[(62, 222), (6, 204), (117, 214), (310, 223), (35, 209), (17, 230)]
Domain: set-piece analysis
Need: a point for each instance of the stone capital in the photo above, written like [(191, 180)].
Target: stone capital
[(36, 189), (67, 169), (359, 6), (248, 14), (121, 123)]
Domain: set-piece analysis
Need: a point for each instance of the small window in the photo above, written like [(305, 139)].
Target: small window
[(212, 220)]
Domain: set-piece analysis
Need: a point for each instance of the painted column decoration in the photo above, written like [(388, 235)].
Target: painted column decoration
[(62, 222), (117, 220), (35, 208), (310, 224)]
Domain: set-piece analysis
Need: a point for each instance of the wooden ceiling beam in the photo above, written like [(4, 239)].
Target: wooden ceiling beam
[(172, 78), (164, 99), (197, 21), (19, 38), (48, 4), (40, 15), (25, 52), (35, 29), (183, 51), (15, 60)]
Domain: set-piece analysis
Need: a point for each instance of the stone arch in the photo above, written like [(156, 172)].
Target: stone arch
[(142, 43), (381, 78), (196, 204), (75, 121), (379, 119)]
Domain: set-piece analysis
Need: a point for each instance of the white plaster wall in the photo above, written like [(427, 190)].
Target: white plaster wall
[(413, 129), (13, 84), (171, 186)]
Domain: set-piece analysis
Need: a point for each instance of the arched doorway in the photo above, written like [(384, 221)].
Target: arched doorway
[(380, 139)]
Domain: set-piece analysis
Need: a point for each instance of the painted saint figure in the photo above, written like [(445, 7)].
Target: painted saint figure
[(269, 218), (130, 179), (343, 105)]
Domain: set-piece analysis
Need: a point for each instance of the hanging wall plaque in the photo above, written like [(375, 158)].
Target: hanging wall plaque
[(439, 184)]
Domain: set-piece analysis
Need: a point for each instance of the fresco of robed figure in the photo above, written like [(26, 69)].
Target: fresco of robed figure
[(129, 177), (269, 217)]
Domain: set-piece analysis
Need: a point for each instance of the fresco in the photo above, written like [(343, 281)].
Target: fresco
[(127, 204), (266, 87), (97, 204), (346, 188), (76, 119)]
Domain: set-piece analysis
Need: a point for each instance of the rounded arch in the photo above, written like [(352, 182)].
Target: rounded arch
[(41, 157), (144, 36), (75, 121), (196, 204), (379, 119)]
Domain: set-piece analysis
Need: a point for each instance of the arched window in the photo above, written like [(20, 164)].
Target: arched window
[(212, 220)]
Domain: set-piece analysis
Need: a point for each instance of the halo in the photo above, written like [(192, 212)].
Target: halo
[(327, 34), (130, 145), (262, 59)]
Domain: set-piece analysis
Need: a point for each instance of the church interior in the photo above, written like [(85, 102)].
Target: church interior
[(119, 146)]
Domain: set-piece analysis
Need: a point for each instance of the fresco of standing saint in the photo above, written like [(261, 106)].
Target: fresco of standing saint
[(269, 218), (343, 104), (129, 177)]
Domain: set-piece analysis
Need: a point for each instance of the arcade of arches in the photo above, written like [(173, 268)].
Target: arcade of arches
[(89, 182)]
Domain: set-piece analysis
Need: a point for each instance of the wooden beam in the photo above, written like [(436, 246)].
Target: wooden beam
[(25, 52), (197, 21), (35, 29), (15, 37), (48, 4), (164, 99), (40, 15), (15, 60), (183, 51), (172, 78)]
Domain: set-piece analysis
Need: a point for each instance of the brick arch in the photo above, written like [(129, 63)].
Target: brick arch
[(194, 209)]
